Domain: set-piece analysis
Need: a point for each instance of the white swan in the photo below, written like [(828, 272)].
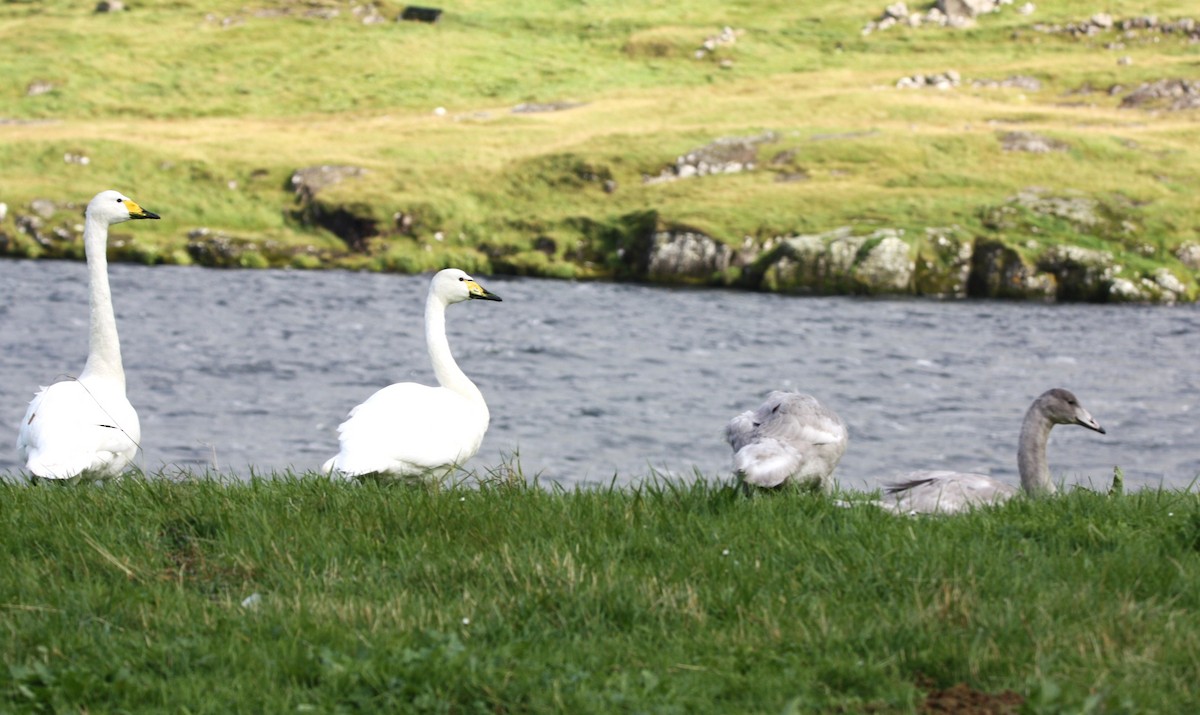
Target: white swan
[(789, 437), (941, 492), (86, 425), (407, 428)]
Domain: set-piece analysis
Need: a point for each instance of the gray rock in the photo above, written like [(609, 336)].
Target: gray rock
[(1030, 142), (728, 155), (1188, 254), (110, 6), (1076, 209), (1029, 84), (539, 107), (354, 223), (965, 10), (887, 267), (837, 262), (38, 87), (44, 208), (1169, 283), (309, 181), (687, 255), (943, 266), (368, 14), (1173, 94), (942, 80), (1123, 290), (1162, 287)]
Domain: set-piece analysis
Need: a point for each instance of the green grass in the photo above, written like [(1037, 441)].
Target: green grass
[(658, 598), (201, 111)]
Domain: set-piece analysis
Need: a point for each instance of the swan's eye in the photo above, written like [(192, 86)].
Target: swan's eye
[(461, 279), (120, 201)]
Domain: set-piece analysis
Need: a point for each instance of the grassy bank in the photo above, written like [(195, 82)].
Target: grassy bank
[(202, 111), (132, 597)]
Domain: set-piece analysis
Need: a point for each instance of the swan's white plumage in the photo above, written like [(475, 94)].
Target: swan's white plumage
[(791, 436), (408, 428), (87, 425), (72, 427), (948, 492)]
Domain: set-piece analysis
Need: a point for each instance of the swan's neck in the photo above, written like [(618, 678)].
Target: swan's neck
[(104, 348), (449, 375), (1031, 453)]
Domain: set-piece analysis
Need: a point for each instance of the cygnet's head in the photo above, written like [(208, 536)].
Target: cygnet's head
[(1061, 407), (114, 207), (453, 285)]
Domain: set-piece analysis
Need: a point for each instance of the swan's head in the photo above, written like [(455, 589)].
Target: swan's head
[(1062, 408), (453, 286), (114, 207)]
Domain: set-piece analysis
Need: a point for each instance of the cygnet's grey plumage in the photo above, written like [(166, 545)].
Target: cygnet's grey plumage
[(789, 437), (946, 492)]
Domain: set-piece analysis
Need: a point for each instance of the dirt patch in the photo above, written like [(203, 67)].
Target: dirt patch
[(962, 699)]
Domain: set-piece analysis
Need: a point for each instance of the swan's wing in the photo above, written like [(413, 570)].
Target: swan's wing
[(943, 492), (69, 429), (408, 428), (767, 462), (818, 427)]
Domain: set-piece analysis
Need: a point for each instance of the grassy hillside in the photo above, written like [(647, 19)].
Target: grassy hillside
[(203, 111), (301, 595)]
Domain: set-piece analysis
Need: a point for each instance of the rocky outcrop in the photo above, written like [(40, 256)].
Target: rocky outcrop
[(1081, 274), (728, 155), (836, 262), (943, 265), (947, 261), (689, 256), (999, 271), (885, 267), (725, 38), (944, 13), (1171, 94), (942, 80), (217, 249), (353, 222), (1147, 27), (1161, 287), (1017, 214), (966, 10)]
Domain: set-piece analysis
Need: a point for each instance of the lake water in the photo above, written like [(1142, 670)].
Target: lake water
[(591, 382)]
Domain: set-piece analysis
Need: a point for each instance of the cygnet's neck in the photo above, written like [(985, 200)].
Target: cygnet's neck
[(104, 347), (1031, 452), (449, 374)]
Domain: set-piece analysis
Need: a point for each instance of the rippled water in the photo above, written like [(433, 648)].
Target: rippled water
[(231, 369)]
